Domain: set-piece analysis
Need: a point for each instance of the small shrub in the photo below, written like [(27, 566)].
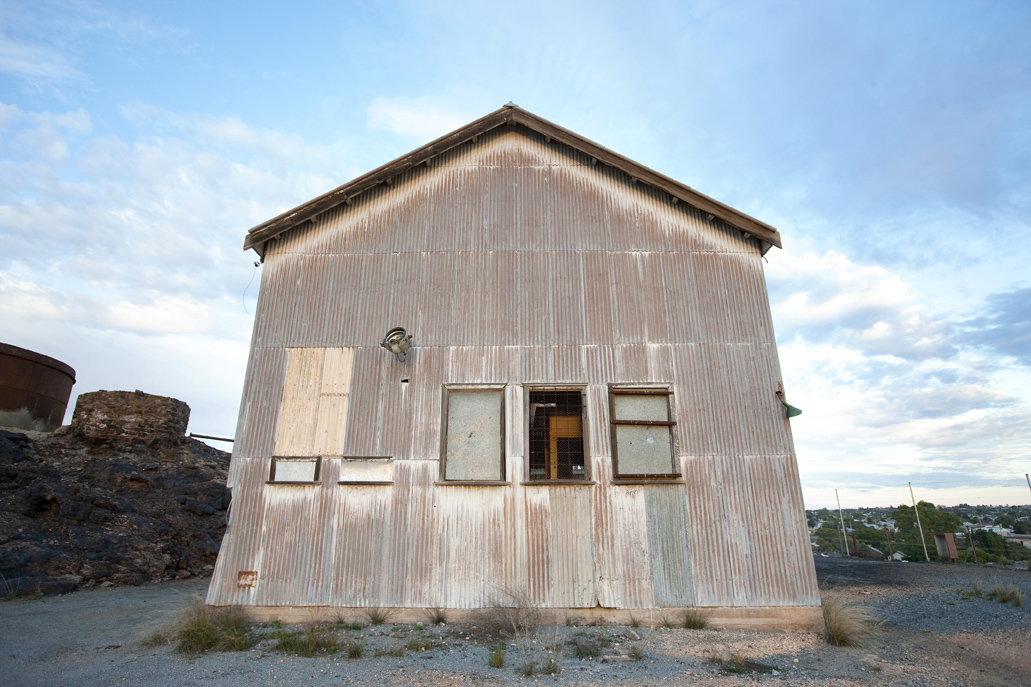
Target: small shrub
[(551, 667), (419, 627), (847, 624), (635, 652), (377, 616), (529, 668), (355, 650), (397, 651), (697, 619), (419, 644), (975, 591), (436, 616), (496, 658)]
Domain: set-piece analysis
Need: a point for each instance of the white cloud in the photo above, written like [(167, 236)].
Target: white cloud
[(35, 62), (413, 117)]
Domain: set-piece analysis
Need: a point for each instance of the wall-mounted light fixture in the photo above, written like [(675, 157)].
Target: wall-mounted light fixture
[(397, 341), (791, 410)]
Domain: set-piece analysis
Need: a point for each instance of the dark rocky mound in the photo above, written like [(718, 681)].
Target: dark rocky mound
[(120, 497)]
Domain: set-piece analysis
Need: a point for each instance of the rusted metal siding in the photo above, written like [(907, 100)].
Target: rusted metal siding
[(515, 261)]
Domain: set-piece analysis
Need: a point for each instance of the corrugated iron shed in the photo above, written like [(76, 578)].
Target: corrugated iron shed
[(521, 255)]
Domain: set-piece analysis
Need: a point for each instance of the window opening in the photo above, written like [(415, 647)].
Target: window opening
[(556, 435)]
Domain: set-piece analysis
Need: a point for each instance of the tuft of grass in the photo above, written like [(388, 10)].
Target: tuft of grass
[(848, 624), (377, 616), (1008, 594), (436, 616), (635, 652), (634, 622), (551, 667), (202, 628), (696, 619), (975, 591), (397, 651), (496, 658), (419, 644), (529, 668), (586, 648), (355, 650), (316, 639), (739, 665), (666, 622)]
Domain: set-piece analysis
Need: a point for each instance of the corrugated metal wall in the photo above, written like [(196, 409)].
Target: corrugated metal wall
[(514, 260)]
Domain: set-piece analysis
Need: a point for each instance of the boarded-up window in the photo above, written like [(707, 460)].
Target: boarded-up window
[(313, 414), (642, 434), (474, 435), (294, 470), (556, 434)]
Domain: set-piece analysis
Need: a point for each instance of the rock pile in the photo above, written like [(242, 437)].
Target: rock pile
[(120, 497)]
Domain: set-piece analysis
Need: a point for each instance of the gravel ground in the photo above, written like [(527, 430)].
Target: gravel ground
[(930, 636)]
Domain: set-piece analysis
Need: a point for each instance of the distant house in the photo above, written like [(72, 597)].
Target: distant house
[(586, 420)]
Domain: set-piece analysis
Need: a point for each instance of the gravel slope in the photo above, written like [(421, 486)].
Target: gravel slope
[(930, 637)]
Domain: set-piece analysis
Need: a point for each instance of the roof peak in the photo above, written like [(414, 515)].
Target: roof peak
[(510, 113)]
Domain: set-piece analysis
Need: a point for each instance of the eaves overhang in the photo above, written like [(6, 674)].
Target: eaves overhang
[(509, 114)]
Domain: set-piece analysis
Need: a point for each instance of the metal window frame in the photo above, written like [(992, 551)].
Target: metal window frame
[(670, 424), (588, 476), (445, 397), (318, 470)]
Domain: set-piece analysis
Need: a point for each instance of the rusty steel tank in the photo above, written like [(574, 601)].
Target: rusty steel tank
[(34, 389)]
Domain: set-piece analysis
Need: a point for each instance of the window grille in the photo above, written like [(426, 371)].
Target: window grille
[(556, 436)]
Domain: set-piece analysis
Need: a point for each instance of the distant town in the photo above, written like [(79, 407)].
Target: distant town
[(978, 534)]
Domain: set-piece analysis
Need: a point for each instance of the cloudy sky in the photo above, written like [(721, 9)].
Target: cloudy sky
[(889, 142)]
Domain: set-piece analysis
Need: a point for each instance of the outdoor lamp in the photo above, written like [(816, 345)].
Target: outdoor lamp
[(397, 341)]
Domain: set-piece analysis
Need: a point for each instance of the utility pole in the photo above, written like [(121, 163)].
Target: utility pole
[(973, 546), (844, 537), (921, 527), (1028, 480)]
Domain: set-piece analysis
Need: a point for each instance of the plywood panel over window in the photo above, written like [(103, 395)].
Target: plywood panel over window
[(642, 434), (313, 415), (474, 442)]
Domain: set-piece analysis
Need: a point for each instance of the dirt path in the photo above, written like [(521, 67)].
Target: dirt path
[(930, 637)]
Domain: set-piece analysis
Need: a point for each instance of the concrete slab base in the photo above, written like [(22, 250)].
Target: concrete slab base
[(784, 618)]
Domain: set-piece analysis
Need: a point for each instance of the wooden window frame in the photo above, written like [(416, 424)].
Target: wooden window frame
[(318, 470), (585, 435), (670, 423), (446, 390)]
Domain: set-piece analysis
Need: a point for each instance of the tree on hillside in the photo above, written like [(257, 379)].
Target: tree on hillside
[(933, 520)]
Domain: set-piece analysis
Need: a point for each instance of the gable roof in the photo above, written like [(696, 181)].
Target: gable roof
[(508, 114)]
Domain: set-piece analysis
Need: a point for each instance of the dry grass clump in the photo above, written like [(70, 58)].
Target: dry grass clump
[(377, 616), (697, 618), (848, 624), (436, 616), (496, 658), (1008, 594), (203, 628)]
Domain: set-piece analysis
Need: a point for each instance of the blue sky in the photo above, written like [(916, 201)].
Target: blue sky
[(889, 142)]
